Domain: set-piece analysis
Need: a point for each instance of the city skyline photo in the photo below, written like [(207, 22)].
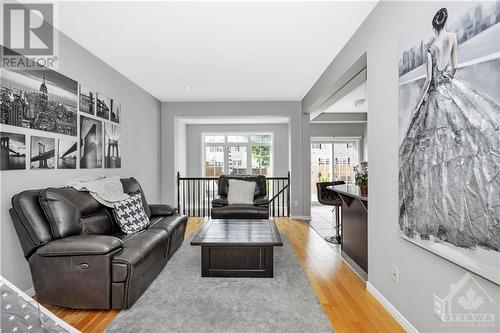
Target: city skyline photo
[(39, 99)]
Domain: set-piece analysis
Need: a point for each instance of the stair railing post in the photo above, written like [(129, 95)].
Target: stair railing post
[(179, 192)]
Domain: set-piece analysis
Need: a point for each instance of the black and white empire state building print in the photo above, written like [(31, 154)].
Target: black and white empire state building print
[(39, 99)]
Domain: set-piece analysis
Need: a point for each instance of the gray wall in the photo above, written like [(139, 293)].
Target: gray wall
[(342, 130), (298, 126), (422, 274), (140, 148), (280, 146)]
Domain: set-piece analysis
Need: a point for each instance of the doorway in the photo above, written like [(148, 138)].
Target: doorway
[(333, 159)]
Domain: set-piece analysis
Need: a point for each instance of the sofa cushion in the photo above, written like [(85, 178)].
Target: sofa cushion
[(29, 220), (260, 184), (80, 245), (130, 215), (69, 211), (167, 223), (162, 210), (131, 186), (240, 212), (140, 252)]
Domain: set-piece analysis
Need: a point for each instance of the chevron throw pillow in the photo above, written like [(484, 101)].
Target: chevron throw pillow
[(130, 215)]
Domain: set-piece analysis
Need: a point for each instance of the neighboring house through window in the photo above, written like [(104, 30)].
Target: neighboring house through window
[(237, 154)]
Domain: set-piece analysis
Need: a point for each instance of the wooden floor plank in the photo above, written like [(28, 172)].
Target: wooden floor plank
[(341, 292)]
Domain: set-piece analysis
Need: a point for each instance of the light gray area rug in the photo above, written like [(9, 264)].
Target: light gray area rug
[(180, 300)]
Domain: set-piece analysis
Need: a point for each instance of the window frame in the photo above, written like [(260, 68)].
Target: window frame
[(340, 139), (227, 144)]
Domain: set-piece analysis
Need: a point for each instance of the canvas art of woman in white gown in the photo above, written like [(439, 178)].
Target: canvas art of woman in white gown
[(450, 158)]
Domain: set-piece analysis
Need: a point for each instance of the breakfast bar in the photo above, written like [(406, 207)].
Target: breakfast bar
[(354, 227)]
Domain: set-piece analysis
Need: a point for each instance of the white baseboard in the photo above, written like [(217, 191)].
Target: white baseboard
[(306, 218), (30, 292), (392, 310)]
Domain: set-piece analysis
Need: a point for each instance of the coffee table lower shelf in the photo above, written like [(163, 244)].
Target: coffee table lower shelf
[(236, 261)]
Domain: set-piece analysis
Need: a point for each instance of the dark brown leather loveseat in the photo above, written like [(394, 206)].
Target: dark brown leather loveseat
[(221, 209), (78, 256)]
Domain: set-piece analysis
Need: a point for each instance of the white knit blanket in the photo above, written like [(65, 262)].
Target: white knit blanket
[(105, 190)]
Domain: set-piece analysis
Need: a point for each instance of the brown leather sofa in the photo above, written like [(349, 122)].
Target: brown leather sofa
[(221, 209), (78, 256)]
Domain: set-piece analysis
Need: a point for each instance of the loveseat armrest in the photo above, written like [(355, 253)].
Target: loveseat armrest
[(162, 210), (261, 201), (220, 201), (80, 245)]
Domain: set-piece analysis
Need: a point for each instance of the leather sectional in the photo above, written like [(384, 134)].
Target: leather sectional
[(78, 256)]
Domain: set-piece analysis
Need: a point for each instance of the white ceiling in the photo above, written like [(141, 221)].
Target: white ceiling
[(222, 50), (348, 102)]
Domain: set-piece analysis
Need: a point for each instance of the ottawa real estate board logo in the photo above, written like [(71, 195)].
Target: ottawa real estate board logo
[(29, 38), (466, 305)]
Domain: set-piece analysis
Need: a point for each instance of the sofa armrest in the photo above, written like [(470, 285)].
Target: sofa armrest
[(162, 210), (262, 201), (80, 245), (220, 201)]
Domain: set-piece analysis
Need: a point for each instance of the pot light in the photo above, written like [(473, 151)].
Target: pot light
[(188, 87)]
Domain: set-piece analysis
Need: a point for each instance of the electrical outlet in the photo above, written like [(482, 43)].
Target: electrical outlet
[(296, 203), (395, 274)]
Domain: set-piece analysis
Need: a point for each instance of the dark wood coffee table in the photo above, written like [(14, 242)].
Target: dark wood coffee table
[(237, 248)]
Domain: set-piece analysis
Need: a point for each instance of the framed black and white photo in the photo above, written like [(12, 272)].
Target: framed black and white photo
[(66, 154), (103, 106), (449, 141), (13, 154), (39, 99), (116, 111), (112, 146), (42, 152), (87, 100), (90, 143)]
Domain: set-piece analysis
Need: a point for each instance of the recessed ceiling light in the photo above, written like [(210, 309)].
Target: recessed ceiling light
[(359, 102), (188, 87)]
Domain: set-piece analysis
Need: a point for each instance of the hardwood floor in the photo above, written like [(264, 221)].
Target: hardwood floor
[(349, 307)]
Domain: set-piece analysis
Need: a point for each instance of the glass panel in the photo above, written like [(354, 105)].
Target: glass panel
[(260, 138), (214, 138), (237, 160), (237, 138), (214, 161), (345, 157), (321, 166), (261, 160)]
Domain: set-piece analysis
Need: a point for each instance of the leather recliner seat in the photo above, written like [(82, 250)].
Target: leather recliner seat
[(78, 256), (221, 209)]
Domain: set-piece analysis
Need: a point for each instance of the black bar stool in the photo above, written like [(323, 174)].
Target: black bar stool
[(331, 198)]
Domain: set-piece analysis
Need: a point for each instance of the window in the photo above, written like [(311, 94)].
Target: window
[(237, 154), (333, 159), (238, 160), (261, 160), (214, 161)]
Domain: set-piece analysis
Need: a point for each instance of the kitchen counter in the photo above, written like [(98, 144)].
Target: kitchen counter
[(354, 227)]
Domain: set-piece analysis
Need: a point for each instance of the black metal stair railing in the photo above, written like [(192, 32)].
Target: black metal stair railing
[(195, 195)]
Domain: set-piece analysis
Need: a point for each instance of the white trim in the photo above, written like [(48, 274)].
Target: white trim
[(30, 292), (389, 307), (298, 217), (45, 311)]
